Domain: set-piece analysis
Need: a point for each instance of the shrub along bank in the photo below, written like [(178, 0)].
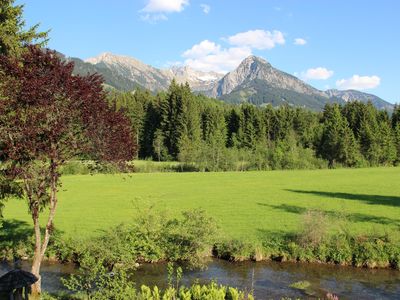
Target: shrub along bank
[(154, 237)]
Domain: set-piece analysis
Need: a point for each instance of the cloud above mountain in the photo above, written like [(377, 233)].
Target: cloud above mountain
[(357, 82), (210, 56), (156, 10), (299, 42), (319, 73), (257, 39)]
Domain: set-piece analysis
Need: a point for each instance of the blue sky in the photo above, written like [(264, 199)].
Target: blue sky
[(330, 44)]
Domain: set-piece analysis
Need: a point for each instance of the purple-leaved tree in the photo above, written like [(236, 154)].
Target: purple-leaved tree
[(48, 116)]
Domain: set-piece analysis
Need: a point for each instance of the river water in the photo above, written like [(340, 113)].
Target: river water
[(269, 280)]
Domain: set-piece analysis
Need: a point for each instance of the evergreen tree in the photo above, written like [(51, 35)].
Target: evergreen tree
[(369, 135), (396, 116), (171, 111), (159, 148), (354, 112), (233, 126), (252, 129), (134, 105), (306, 126), (151, 125), (338, 144), (214, 136), (283, 122), (397, 141), (180, 121), (188, 129), (13, 34), (386, 143), (268, 117)]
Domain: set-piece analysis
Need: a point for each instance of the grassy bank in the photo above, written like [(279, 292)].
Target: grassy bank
[(254, 209)]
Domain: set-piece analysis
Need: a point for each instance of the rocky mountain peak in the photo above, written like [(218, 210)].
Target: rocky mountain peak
[(255, 80), (254, 59), (114, 59), (253, 64)]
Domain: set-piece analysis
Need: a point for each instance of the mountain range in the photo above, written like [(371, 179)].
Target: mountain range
[(255, 80)]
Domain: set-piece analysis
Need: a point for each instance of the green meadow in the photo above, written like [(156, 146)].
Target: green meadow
[(246, 205)]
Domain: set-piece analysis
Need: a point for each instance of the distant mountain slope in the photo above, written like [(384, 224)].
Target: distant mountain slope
[(199, 81), (259, 92), (256, 68), (132, 70), (152, 78), (257, 82), (110, 77), (353, 95), (254, 80)]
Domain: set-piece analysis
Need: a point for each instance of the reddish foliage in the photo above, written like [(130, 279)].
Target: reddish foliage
[(46, 113)]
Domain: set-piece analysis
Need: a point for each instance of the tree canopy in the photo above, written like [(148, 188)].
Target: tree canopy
[(48, 116)]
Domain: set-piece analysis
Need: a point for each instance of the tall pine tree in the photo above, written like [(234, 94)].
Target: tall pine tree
[(338, 144), (14, 36)]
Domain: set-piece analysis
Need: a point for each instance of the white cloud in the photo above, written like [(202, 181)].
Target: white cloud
[(165, 6), (206, 8), (319, 73), (258, 39), (300, 42), (204, 48), (156, 10), (357, 82), (209, 56)]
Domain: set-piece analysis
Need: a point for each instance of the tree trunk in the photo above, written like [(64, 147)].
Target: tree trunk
[(36, 288), (40, 248)]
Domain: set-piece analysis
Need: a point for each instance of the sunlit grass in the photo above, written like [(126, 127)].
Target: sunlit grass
[(246, 205)]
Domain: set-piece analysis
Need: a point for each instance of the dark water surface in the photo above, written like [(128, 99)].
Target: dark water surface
[(269, 280)]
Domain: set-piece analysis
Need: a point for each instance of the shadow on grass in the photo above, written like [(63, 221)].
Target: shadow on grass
[(277, 235), (352, 217), (17, 239), (370, 199), (15, 231)]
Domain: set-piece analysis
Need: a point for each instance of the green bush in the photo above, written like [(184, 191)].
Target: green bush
[(75, 167), (151, 237), (84, 167), (341, 250), (234, 250)]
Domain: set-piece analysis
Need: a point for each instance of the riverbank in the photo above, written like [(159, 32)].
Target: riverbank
[(195, 237), (266, 278)]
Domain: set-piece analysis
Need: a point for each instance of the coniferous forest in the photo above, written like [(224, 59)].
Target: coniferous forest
[(210, 135)]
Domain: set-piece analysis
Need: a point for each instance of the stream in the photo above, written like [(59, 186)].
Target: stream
[(268, 280)]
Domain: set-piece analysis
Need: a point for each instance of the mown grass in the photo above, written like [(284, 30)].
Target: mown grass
[(247, 205)]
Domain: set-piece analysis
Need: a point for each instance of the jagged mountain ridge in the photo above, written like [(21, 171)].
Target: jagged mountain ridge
[(353, 95), (254, 80), (152, 78), (253, 68)]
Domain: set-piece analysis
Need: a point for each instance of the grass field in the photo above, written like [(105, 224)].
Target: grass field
[(246, 205)]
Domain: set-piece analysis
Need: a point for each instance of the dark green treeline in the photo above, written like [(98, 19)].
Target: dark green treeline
[(211, 135)]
